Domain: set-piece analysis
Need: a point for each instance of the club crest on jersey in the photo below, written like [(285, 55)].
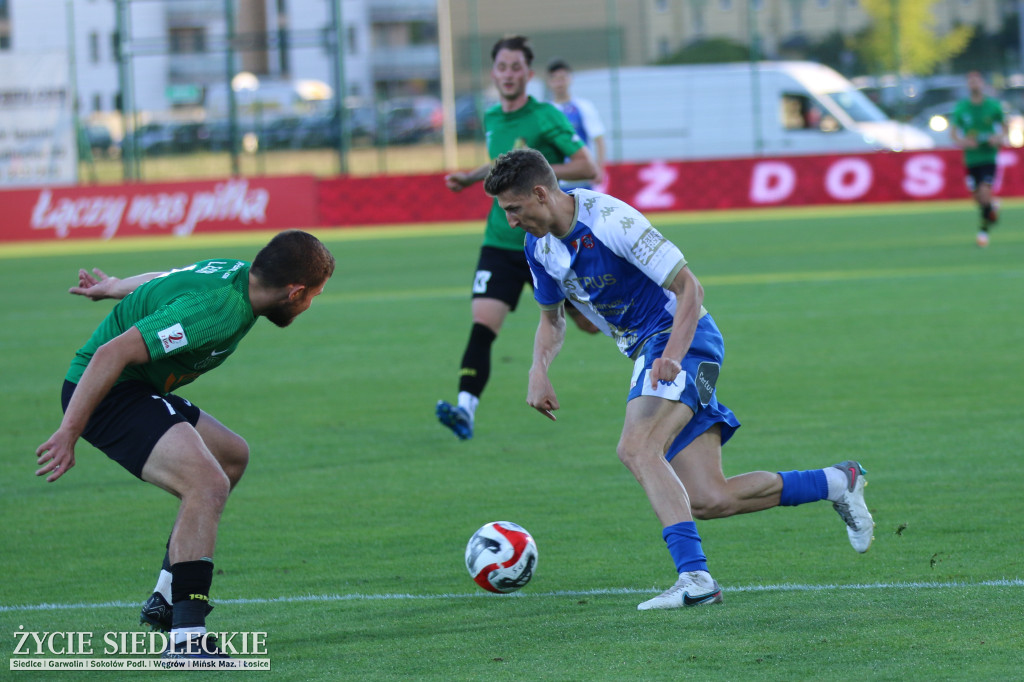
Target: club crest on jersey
[(588, 241), (172, 337)]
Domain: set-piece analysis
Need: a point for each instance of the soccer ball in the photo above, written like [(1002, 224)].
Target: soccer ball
[(501, 556)]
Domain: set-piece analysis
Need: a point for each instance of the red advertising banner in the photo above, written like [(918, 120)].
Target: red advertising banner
[(388, 199), (181, 209), (805, 180), (276, 203)]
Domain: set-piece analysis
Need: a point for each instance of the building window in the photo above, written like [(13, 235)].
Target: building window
[(661, 5), (188, 40), (94, 47), (352, 38), (823, 4), (725, 5), (664, 48), (97, 102)]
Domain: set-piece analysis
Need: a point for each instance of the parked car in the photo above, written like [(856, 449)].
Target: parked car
[(153, 139), (101, 142), (410, 119), (936, 121), (321, 130)]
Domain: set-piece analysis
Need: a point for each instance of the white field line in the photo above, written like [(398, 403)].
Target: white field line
[(788, 587)]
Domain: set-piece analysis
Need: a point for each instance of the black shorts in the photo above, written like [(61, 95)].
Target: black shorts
[(501, 274), (982, 174), (128, 423)]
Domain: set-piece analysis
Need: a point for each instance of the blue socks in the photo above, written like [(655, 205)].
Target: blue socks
[(800, 487), (684, 546)]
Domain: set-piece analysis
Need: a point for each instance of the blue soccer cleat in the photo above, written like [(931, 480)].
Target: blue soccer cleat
[(455, 418)]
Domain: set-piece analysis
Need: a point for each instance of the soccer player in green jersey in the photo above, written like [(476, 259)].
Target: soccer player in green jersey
[(168, 329), (518, 120), (978, 130)]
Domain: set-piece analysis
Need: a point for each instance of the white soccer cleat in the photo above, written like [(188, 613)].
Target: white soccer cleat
[(695, 588), (852, 508)]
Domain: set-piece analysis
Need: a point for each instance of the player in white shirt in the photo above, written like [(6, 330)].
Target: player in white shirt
[(583, 116), (608, 260)]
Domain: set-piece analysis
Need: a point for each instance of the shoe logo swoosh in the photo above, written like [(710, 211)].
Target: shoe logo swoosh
[(215, 353), (694, 601)]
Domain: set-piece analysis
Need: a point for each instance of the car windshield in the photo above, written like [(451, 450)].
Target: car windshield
[(857, 106)]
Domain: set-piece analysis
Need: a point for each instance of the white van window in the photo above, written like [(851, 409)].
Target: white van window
[(800, 112), (857, 106)]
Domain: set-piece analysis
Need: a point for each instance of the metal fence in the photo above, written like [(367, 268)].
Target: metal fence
[(392, 86)]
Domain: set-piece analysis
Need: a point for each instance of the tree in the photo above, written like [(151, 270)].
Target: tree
[(903, 37), (708, 51)]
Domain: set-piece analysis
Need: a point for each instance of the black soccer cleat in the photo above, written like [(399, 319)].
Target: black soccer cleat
[(158, 614)]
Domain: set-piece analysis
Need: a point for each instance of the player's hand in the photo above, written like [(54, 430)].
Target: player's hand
[(541, 395), (456, 182), (95, 286), (55, 456), (664, 369)]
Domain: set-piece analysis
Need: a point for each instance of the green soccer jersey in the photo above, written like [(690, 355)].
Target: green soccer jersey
[(537, 125), (979, 121), (190, 319)]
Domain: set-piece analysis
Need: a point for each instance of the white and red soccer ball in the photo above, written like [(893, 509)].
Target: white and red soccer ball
[(501, 556)]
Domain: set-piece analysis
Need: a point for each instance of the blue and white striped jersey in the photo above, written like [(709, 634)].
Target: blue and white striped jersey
[(613, 266)]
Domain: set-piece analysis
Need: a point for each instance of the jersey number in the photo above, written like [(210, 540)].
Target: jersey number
[(481, 280)]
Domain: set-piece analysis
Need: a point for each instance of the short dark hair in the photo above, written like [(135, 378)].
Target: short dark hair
[(293, 257), (558, 64), (515, 43), (519, 171)]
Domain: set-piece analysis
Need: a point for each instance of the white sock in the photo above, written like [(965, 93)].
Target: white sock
[(184, 634), (837, 483), (163, 585), (468, 402)]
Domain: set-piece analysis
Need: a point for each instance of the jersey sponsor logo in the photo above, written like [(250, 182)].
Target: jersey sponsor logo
[(647, 245), (173, 337), (589, 283), (626, 223), (707, 377)]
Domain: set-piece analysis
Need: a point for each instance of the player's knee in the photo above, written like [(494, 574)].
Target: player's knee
[(634, 454), (236, 459), (210, 489)]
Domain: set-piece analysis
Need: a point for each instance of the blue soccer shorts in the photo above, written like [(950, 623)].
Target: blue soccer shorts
[(694, 386)]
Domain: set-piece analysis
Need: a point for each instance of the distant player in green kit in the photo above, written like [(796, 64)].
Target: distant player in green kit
[(517, 121), (978, 130), (168, 329)]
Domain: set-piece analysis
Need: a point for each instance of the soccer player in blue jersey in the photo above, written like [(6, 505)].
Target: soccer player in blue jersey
[(168, 329), (610, 262), (583, 116)]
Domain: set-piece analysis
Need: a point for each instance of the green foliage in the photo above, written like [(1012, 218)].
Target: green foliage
[(709, 51), (875, 333), (903, 37)]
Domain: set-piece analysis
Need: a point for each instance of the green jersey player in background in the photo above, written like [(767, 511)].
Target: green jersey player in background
[(978, 130), (517, 121), (168, 329)]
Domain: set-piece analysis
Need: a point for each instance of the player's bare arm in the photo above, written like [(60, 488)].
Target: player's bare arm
[(547, 343), (57, 454), (689, 297), (579, 166), (98, 285)]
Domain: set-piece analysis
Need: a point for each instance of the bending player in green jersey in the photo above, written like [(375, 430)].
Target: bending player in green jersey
[(978, 130), (518, 120), (168, 329)]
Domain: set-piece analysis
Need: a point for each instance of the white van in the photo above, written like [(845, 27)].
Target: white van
[(738, 110)]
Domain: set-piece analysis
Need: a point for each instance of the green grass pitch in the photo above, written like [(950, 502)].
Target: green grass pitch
[(876, 333)]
